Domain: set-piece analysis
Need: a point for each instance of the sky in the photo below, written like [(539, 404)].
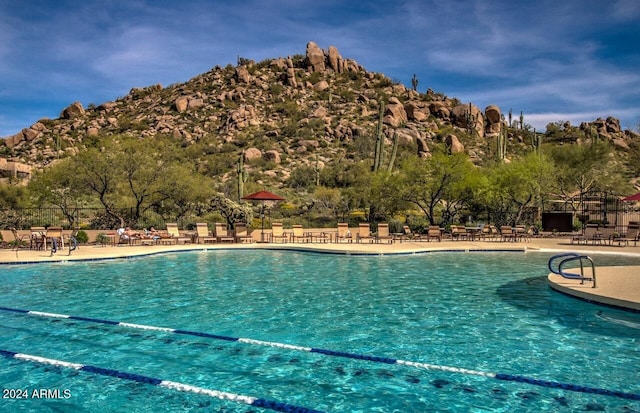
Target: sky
[(568, 60)]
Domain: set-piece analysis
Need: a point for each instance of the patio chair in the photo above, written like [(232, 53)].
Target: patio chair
[(241, 234), (633, 234), (221, 233), (487, 233), (434, 232), (522, 233), (38, 238), (54, 235), (507, 233), (592, 233), (344, 234), (410, 235), (277, 233), (459, 232), (20, 240), (364, 232), (298, 234), (174, 232), (383, 233), (204, 235)]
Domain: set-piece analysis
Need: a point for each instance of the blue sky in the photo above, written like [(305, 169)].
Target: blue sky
[(554, 60)]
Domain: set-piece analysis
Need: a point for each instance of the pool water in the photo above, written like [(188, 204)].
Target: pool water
[(489, 312)]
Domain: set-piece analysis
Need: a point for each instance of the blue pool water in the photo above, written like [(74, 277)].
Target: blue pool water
[(489, 312)]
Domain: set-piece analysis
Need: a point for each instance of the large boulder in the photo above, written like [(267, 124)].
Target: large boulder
[(181, 104), (272, 155), (454, 144), (394, 113), (315, 57), (242, 74), (335, 60), (417, 111), (468, 116), (252, 154), (494, 118), (72, 111)]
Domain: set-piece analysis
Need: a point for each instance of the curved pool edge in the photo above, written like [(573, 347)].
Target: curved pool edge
[(617, 287), (99, 253)]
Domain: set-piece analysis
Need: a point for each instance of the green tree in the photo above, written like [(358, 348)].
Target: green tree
[(513, 187), (439, 186), (58, 186), (583, 168)]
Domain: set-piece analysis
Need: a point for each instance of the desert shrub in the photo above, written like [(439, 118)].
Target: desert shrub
[(82, 237)]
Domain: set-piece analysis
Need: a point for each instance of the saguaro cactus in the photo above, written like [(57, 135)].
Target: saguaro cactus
[(377, 156), (470, 120), (243, 175), (501, 146), (316, 169), (393, 151), (536, 140), (414, 82)]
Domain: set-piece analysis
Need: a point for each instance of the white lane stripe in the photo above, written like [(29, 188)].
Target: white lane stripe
[(52, 362), (164, 383), (273, 344), (213, 393), (428, 366), (54, 315), (144, 327)]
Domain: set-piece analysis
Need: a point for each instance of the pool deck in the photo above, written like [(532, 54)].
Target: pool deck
[(616, 286)]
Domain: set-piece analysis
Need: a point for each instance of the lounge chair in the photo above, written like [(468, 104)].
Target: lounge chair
[(593, 234), (241, 234), (434, 232), (633, 234), (126, 237), (508, 234), (222, 234), (277, 233), (174, 232), (487, 233), (298, 234), (344, 234), (38, 238), (54, 235), (383, 233), (459, 232), (364, 232), (410, 235), (20, 240), (204, 236)]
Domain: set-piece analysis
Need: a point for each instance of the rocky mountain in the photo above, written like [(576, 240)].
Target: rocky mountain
[(281, 113)]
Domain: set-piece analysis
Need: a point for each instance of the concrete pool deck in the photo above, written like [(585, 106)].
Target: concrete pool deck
[(616, 286)]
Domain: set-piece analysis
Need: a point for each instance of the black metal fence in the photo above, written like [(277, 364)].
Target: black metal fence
[(602, 208)]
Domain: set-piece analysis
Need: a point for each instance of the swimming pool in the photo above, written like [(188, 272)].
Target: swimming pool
[(486, 312)]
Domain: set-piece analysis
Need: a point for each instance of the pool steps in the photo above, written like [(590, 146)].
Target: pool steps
[(375, 359)]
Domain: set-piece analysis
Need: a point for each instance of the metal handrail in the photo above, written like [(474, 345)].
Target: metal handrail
[(570, 257)]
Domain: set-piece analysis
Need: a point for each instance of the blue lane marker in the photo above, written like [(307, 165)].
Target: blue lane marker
[(375, 359), (332, 353), (252, 401)]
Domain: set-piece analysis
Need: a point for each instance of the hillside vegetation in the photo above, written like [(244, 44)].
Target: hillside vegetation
[(325, 133)]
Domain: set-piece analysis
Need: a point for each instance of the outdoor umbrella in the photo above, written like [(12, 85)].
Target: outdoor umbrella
[(635, 197), (263, 196)]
